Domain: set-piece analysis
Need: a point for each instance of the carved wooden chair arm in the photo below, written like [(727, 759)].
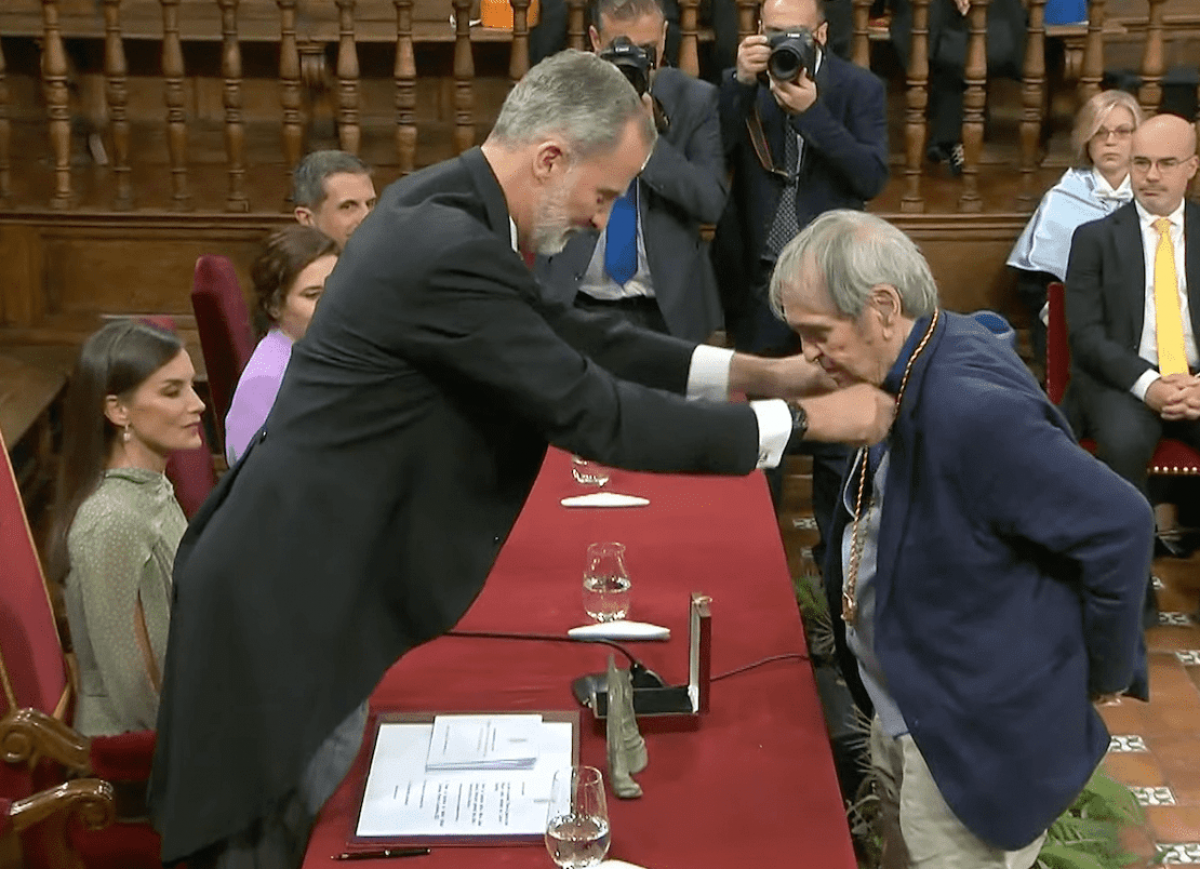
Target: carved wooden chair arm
[(88, 799), (29, 734)]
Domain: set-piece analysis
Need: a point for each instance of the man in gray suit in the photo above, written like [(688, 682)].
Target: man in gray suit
[(650, 264)]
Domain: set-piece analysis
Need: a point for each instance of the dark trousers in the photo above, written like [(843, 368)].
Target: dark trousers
[(946, 89), (641, 311)]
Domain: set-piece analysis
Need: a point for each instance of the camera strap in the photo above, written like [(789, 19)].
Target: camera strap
[(762, 149)]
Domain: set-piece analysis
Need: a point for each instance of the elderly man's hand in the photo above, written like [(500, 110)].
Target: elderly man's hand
[(858, 415)]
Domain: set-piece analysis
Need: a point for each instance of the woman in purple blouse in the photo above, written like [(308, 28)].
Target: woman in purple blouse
[(289, 277)]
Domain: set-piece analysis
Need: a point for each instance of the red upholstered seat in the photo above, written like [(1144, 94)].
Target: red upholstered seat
[(1171, 457), (226, 336), (42, 751)]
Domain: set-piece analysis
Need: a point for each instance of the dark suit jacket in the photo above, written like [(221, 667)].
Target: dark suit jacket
[(412, 421), (844, 163), (683, 186), (1106, 297), (1011, 572)]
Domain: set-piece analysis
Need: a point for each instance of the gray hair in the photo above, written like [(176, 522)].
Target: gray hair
[(853, 252), (308, 181), (576, 95)]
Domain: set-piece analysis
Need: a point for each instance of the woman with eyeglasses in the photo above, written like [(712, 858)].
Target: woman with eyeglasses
[(1097, 185)]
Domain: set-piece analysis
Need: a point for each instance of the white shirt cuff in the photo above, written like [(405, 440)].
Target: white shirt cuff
[(708, 376), (774, 430), (1143, 383)]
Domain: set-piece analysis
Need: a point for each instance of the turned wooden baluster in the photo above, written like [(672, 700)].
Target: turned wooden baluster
[(406, 88), (577, 25), (747, 18), (289, 89), (689, 36), (918, 99), (54, 81), (5, 137), (1150, 95), (117, 95), (860, 51), (235, 137), (172, 69), (349, 132), (1093, 53), (1033, 87), (518, 63), (973, 103), (464, 76)]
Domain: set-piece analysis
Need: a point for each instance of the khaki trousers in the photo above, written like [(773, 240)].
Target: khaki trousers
[(919, 830)]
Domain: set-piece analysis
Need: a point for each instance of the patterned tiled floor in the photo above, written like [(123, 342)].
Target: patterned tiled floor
[(1155, 747)]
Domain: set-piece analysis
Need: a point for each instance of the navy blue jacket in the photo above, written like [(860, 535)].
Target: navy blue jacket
[(1011, 573), (844, 162)]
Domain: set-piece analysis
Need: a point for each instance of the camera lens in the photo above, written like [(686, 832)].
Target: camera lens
[(785, 63)]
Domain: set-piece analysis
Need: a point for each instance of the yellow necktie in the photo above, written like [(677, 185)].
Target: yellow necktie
[(1172, 357)]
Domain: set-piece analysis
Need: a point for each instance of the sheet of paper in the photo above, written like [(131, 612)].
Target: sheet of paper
[(483, 742), (402, 799)]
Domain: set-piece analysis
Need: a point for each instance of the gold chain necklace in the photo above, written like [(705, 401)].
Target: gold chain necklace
[(850, 585)]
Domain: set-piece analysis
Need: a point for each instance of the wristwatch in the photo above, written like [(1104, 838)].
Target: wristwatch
[(799, 423)]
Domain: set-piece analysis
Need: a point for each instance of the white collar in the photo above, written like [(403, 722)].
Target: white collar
[(512, 234), (1104, 190), (1147, 219)]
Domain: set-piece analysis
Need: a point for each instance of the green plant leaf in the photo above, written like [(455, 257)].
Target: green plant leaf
[(1056, 855)]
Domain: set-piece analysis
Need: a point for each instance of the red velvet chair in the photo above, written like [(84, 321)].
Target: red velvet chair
[(40, 748), (226, 336), (1171, 457)]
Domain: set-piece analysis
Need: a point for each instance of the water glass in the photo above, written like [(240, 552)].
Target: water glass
[(577, 834), (606, 583), (588, 473)]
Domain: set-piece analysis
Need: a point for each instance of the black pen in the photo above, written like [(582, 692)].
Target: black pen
[(382, 854)]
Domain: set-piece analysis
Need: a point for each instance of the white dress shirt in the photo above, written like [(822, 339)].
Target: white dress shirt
[(708, 379), (1148, 348), (598, 283)]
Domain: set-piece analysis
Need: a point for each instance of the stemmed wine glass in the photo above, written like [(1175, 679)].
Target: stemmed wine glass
[(577, 820)]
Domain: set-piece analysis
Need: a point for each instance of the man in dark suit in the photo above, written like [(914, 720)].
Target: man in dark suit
[(1125, 395), (649, 263), (987, 572), (796, 149), (407, 434)]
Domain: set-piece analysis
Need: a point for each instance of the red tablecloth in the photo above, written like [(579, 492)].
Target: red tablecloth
[(753, 784)]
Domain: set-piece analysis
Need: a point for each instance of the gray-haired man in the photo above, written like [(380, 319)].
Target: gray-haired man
[(333, 191)]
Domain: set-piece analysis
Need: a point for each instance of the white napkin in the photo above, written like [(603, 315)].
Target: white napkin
[(605, 499)]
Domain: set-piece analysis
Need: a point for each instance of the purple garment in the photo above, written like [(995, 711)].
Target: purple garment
[(256, 391)]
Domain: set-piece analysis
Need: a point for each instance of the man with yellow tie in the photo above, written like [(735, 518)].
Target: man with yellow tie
[(1133, 308)]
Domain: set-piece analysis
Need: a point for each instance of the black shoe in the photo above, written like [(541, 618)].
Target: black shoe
[(957, 160), (937, 152)]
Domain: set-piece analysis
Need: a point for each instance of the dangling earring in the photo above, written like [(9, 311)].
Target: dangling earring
[(127, 434)]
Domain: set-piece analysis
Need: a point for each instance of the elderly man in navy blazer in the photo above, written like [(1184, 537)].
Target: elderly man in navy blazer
[(985, 573)]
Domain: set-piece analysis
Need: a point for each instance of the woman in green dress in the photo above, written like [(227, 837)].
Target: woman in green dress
[(130, 404)]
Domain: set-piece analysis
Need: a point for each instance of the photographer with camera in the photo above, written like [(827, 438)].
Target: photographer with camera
[(805, 132), (649, 264)]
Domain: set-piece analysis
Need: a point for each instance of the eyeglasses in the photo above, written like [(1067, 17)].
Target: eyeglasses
[(1164, 164), (1121, 133)]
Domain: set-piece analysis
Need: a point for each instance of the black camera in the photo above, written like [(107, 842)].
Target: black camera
[(791, 53), (634, 61)]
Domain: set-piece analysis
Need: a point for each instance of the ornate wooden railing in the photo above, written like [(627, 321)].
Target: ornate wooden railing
[(302, 30)]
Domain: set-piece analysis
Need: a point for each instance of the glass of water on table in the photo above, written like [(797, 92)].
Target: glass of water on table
[(577, 834), (606, 583)]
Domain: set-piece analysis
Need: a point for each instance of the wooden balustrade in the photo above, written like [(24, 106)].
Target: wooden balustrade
[(5, 137), (689, 36), (973, 102), (116, 97), (406, 89), (464, 74), (1033, 100), (918, 99), (860, 46), (173, 72), (349, 132), (1150, 95), (235, 136), (747, 18), (519, 63), (577, 24), (289, 89), (54, 82)]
